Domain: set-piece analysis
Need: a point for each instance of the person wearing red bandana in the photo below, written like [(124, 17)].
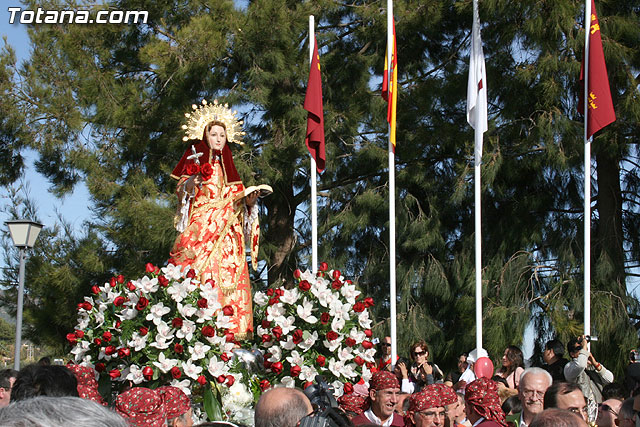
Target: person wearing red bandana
[(384, 389), (87, 384), (142, 407), (214, 217), (482, 404), (426, 408), (177, 405)]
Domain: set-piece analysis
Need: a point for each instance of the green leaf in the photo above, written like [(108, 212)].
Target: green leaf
[(213, 403)]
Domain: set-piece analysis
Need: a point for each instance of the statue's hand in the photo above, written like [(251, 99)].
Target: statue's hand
[(251, 199)]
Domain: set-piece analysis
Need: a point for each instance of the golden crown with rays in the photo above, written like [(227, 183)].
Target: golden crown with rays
[(206, 113)]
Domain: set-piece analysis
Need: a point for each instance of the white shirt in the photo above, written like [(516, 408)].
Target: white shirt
[(478, 422), (377, 421), (467, 376)]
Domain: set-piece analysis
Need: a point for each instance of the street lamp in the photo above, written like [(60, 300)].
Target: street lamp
[(24, 234)]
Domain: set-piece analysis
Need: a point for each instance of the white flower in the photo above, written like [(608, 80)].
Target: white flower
[(239, 394), (134, 374), (186, 310), (276, 354), (137, 342), (295, 358), (216, 368), (290, 296), (147, 285), (363, 320), (289, 344), (340, 310), (325, 297), (261, 299), (305, 311), (81, 348), (308, 373), (156, 312), (357, 335), (164, 337), (286, 323), (350, 293), (288, 382), (345, 354), (223, 322), (187, 330), (333, 345), (337, 324), (99, 319), (184, 385), (172, 272), (348, 370), (191, 370), (338, 387), (199, 351), (83, 321), (308, 340), (165, 364), (177, 291), (204, 314), (275, 311)]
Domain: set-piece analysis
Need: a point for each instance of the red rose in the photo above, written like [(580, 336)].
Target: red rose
[(178, 348), (175, 373), (230, 337), (323, 266), (227, 310), (279, 292), (202, 303), (304, 285), (224, 357), (359, 360), (147, 373), (193, 168), (142, 304), (277, 332), (177, 322), (221, 378), (95, 289), (112, 282), (85, 306), (100, 367), (336, 274), (120, 279), (295, 371), (371, 367), (367, 344), (230, 380), (348, 388), (163, 281), (78, 333), (118, 324), (274, 300), (324, 318), (266, 338), (336, 284), (202, 380), (124, 352), (150, 268), (109, 350), (118, 301), (264, 385), (114, 373), (368, 333), (208, 331), (267, 364), (348, 282), (350, 342), (206, 171), (71, 337), (297, 273), (97, 341), (297, 336), (368, 302), (266, 324), (131, 286), (277, 368), (144, 331), (321, 360), (191, 274), (211, 283), (270, 292), (332, 335), (359, 307), (107, 336)]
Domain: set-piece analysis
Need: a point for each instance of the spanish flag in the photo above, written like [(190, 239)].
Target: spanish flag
[(390, 91), (601, 112), (315, 120)]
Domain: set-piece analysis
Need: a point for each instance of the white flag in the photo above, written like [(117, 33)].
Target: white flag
[(477, 85)]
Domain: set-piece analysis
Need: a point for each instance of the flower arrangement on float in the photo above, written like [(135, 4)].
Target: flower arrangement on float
[(319, 326), (164, 328)]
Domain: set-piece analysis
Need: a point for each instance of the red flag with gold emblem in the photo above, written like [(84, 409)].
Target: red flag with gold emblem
[(601, 112), (315, 120)]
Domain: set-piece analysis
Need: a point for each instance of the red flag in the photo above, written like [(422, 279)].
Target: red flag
[(601, 112), (392, 88), (313, 104)]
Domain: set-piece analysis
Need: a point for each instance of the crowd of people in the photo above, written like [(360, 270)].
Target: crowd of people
[(563, 392)]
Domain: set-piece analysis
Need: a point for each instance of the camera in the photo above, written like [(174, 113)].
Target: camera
[(590, 338), (326, 412)]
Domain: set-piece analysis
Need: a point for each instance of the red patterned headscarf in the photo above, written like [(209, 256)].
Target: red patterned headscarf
[(142, 407), (482, 395), (175, 401), (382, 380), (87, 384), (428, 397), (352, 403), (448, 395)]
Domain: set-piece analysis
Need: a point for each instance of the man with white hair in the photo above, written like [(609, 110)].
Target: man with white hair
[(533, 384)]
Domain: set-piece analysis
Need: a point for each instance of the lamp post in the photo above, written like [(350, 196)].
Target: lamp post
[(24, 234)]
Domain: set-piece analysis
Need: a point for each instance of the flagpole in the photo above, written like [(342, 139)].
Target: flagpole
[(313, 178), (392, 198), (587, 176)]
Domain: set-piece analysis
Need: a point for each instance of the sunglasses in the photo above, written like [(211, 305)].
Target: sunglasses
[(419, 353), (384, 344), (606, 408)]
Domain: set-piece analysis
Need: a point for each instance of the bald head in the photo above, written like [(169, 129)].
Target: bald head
[(281, 407)]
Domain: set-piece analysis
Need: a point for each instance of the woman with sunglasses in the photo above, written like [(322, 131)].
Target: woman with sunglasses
[(421, 372)]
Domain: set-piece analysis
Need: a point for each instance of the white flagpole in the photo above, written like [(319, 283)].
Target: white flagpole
[(313, 179), (478, 235), (587, 176), (392, 196)]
